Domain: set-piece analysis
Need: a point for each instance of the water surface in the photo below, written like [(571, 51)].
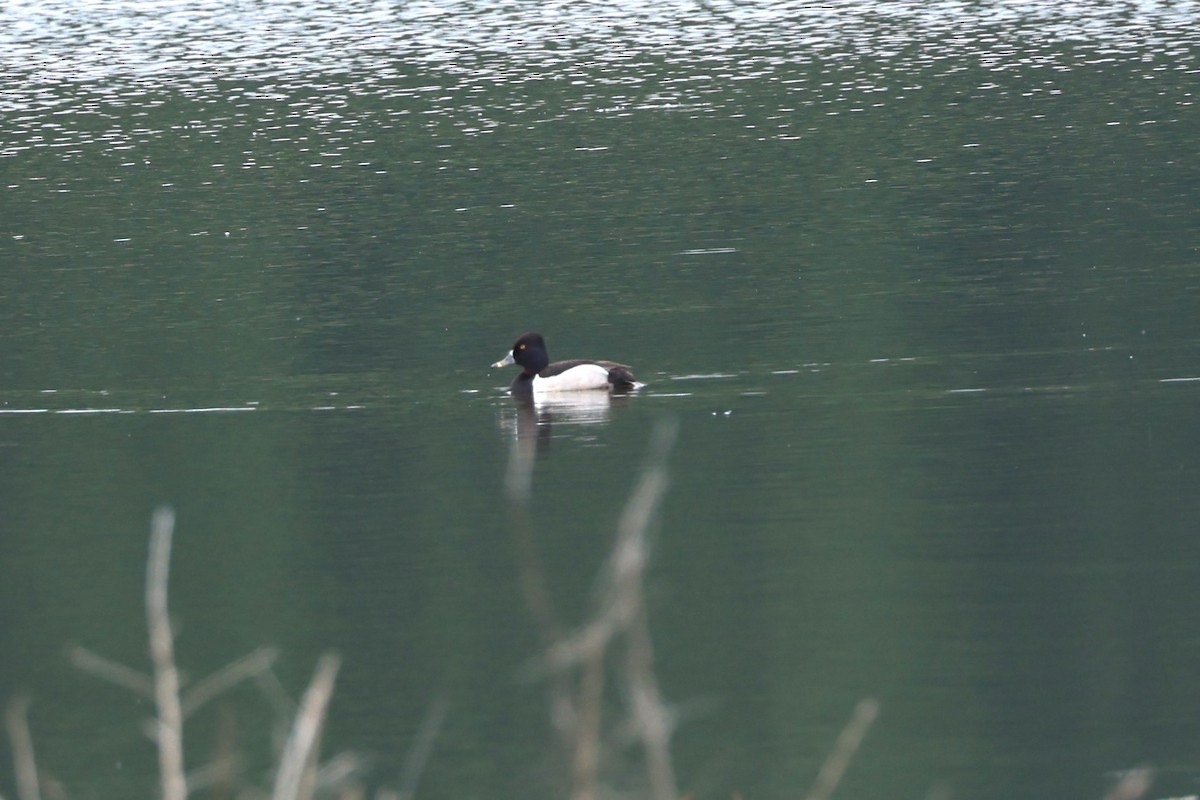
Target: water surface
[(916, 281)]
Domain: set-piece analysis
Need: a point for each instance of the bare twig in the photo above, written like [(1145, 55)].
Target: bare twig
[(87, 661), (169, 727), (843, 749), (422, 746), (306, 730), (24, 764), (228, 676)]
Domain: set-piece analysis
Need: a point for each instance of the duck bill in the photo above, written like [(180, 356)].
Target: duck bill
[(504, 362)]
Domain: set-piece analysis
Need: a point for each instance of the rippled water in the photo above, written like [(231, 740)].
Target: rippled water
[(609, 58)]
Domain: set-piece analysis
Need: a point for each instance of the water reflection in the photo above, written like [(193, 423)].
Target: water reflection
[(534, 416), (529, 422)]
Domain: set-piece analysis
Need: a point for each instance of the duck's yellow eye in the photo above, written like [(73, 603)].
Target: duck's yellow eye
[(522, 347)]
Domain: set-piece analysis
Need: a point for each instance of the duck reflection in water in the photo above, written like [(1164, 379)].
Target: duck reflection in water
[(530, 423), (533, 415)]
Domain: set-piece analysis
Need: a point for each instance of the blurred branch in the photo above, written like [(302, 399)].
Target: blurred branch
[(585, 762), (650, 713), (418, 753), (16, 720), (301, 746), (247, 667), (621, 596), (297, 776), (169, 727), (621, 612), (1133, 784), (106, 669), (843, 749), (218, 777), (564, 715)]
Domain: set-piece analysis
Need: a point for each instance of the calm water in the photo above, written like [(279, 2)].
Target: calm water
[(917, 281)]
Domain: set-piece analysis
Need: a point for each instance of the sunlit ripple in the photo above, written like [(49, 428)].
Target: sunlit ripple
[(707, 376), (208, 410), (195, 410), (634, 54)]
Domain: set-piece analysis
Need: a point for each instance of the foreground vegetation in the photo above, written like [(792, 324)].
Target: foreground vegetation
[(612, 646)]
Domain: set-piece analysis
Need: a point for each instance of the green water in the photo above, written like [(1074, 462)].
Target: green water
[(918, 284)]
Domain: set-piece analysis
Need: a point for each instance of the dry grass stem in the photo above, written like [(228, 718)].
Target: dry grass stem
[(249, 666), (843, 750), (16, 720), (106, 669), (306, 729), (422, 746), (169, 724)]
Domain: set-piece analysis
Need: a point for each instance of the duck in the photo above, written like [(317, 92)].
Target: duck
[(539, 375)]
